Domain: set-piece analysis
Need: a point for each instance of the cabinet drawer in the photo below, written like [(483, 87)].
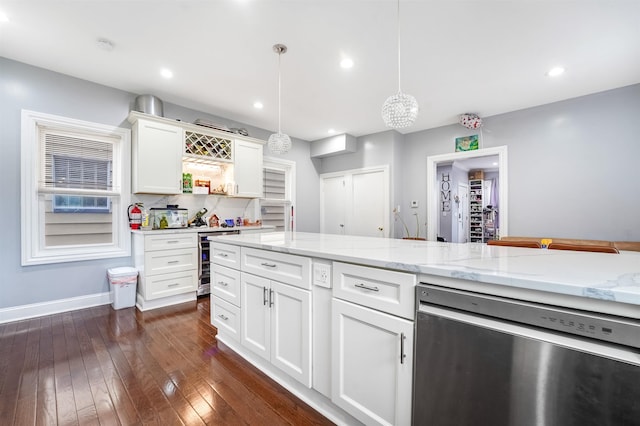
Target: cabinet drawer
[(286, 268), (225, 284), (163, 261), (171, 241), (225, 317), (225, 255), (388, 291), (171, 284)]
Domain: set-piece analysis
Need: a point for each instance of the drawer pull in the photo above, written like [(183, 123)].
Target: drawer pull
[(173, 261), (173, 285), (223, 255), (173, 242), (222, 283), (366, 287), (223, 317), (268, 265)]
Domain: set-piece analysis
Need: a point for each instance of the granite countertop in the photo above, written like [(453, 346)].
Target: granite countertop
[(604, 276), (201, 229)]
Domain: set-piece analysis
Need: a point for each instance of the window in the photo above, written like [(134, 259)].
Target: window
[(277, 205), (74, 190)]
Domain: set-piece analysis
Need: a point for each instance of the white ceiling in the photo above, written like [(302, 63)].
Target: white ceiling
[(480, 56)]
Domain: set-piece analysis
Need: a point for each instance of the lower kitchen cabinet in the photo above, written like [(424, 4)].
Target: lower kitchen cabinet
[(168, 268), (276, 324), (372, 364)]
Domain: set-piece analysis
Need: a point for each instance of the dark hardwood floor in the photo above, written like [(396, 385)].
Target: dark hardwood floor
[(99, 366)]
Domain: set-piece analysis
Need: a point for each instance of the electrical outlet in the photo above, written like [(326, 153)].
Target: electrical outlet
[(322, 274)]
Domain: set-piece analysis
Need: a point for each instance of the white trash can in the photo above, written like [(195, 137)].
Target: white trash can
[(123, 282)]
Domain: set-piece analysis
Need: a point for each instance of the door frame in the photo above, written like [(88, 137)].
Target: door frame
[(433, 193), (388, 231)]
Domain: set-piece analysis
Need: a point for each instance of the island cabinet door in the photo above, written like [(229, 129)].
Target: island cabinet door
[(255, 314), (291, 331), (372, 364)]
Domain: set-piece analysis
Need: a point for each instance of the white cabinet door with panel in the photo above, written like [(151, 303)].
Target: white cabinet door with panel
[(276, 324), (247, 168), (372, 364), (156, 157)]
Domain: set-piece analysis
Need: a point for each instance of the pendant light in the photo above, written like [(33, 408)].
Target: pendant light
[(399, 110), (279, 143)]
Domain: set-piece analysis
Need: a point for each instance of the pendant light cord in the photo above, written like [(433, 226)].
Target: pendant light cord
[(398, 25), (279, 94)]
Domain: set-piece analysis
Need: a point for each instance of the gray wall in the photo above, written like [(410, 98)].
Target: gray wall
[(574, 166), (26, 87)]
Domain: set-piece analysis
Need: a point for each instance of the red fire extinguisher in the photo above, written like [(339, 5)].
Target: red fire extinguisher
[(135, 216)]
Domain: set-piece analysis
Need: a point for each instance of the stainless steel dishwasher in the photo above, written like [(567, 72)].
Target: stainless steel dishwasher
[(484, 360)]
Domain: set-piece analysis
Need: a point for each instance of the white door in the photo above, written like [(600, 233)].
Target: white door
[(254, 321), (369, 210), (369, 379), (463, 213), (355, 202), (291, 331), (333, 205)]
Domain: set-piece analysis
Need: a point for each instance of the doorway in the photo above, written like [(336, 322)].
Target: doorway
[(433, 190)]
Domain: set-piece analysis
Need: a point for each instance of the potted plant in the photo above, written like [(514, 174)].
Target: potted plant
[(408, 236)]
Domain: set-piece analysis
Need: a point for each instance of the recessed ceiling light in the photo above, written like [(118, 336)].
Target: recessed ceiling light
[(3, 17), (166, 73), (258, 105), (555, 71), (331, 131), (346, 63)]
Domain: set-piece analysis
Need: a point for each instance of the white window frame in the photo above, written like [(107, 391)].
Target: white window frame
[(34, 251), (289, 168)]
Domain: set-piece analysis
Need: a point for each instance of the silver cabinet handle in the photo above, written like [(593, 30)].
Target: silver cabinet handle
[(270, 298), (173, 242), (366, 287), (173, 261), (222, 283), (223, 255), (264, 296), (223, 317), (268, 265), (402, 354), (173, 285)]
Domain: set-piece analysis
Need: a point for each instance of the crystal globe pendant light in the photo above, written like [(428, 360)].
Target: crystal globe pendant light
[(279, 143), (399, 110)]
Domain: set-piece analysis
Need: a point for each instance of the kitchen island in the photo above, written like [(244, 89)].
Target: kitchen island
[(363, 303)]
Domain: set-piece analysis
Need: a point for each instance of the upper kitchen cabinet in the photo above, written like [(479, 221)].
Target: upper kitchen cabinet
[(248, 169), (156, 156), (164, 149)]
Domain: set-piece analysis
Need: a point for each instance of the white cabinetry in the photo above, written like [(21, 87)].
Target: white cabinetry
[(372, 364), (156, 157), (372, 347), (276, 316), (168, 267), (248, 169), (225, 289)]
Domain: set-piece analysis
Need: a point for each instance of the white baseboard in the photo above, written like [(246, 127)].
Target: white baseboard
[(16, 313)]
